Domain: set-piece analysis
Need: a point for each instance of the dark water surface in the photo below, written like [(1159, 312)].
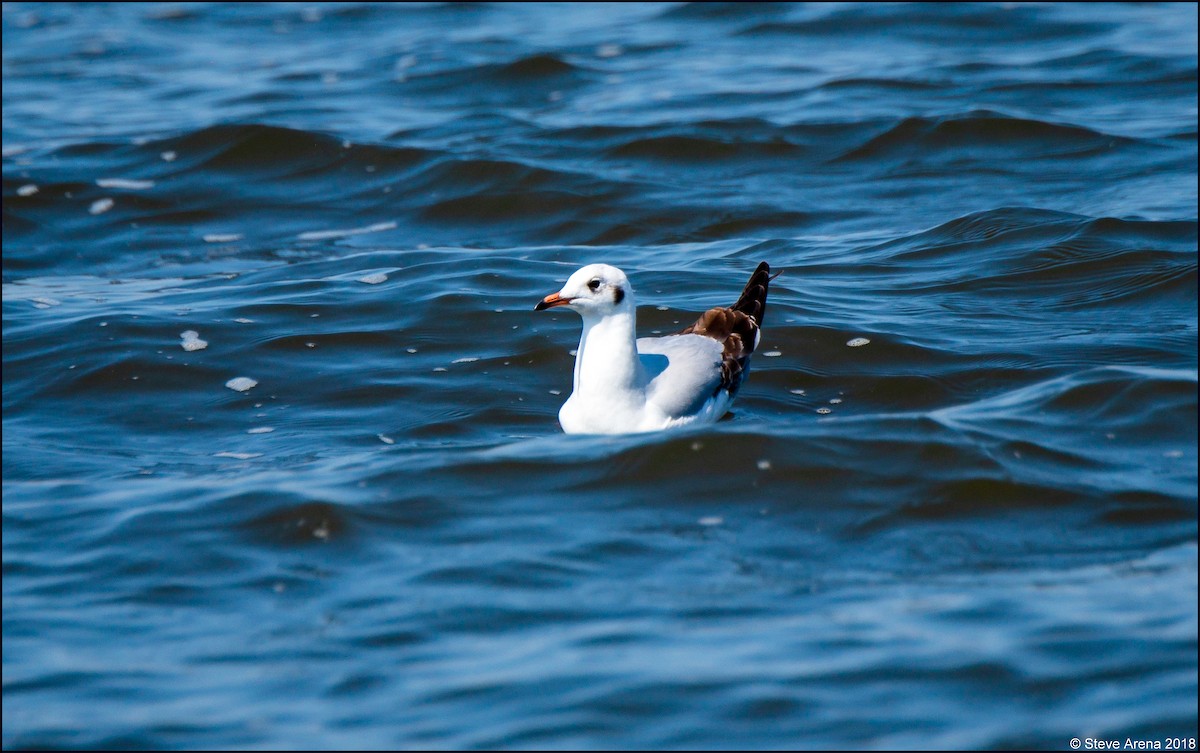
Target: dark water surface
[(977, 530)]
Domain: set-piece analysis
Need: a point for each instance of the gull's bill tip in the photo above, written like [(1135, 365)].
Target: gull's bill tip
[(550, 301)]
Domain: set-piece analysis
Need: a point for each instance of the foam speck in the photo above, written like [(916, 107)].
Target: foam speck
[(241, 384), (238, 455), (168, 156), (320, 235), (374, 278), (711, 520), (191, 341), (125, 183), (824, 411), (772, 354), (468, 359), (28, 189), (100, 206), (858, 342), (385, 439), (222, 237), (261, 430)]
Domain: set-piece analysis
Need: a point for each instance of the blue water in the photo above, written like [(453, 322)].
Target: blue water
[(976, 530)]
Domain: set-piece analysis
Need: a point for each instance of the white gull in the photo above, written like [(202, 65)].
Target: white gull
[(628, 384)]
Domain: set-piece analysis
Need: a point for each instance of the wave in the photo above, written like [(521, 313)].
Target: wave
[(980, 25), (1074, 261), (981, 130), (688, 148)]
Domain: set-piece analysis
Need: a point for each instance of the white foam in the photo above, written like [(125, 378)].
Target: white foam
[(191, 341), (385, 440), (28, 189), (261, 430), (711, 520), (222, 237), (100, 206), (238, 455), (168, 156), (858, 342), (241, 384), (772, 354), (320, 235), (42, 302), (824, 411), (797, 392), (243, 320), (609, 50), (764, 465), (374, 278), (125, 183), (468, 359)]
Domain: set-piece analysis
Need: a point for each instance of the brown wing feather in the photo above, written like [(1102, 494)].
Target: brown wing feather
[(736, 328)]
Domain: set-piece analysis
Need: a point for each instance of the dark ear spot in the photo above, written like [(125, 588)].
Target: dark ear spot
[(618, 295)]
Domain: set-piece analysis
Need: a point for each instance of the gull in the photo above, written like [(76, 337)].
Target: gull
[(626, 384)]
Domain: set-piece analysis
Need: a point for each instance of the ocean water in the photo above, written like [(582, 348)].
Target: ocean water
[(955, 504)]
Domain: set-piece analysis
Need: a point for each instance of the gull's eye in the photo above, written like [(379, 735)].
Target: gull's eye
[(594, 284)]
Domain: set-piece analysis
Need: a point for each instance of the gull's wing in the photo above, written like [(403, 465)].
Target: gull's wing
[(707, 362), (686, 372), (736, 328)]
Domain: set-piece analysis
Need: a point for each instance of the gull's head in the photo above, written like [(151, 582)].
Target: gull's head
[(594, 290)]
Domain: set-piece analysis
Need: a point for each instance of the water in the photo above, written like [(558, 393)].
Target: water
[(977, 529)]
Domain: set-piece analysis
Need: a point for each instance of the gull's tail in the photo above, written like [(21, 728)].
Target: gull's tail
[(753, 301)]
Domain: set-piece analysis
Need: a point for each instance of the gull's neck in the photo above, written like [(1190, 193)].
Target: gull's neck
[(607, 360)]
